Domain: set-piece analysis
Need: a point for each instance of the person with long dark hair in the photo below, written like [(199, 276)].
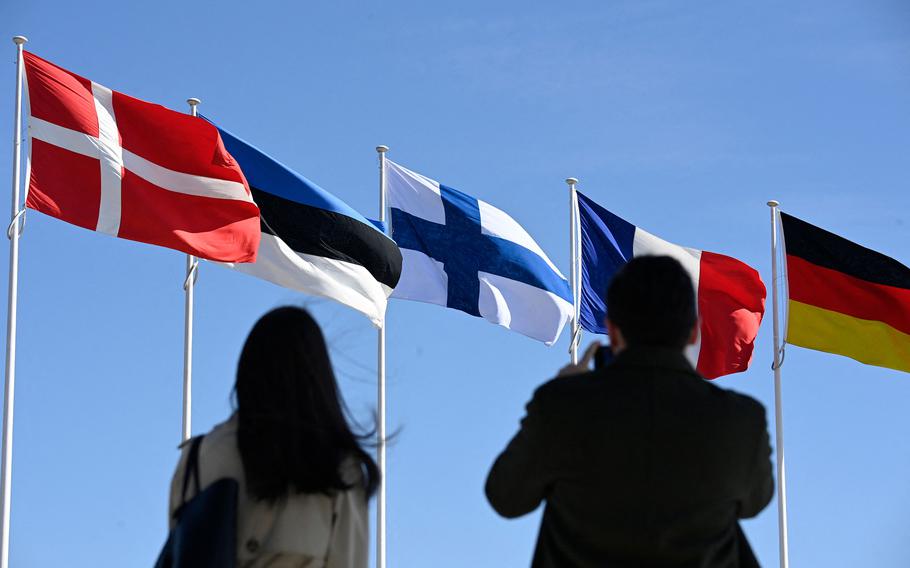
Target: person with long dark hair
[(304, 477)]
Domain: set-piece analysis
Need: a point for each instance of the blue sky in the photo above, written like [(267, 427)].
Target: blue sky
[(684, 118)]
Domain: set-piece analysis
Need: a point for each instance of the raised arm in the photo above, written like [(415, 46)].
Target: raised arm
[(520, 477)]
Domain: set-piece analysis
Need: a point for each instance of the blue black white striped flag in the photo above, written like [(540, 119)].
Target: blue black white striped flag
[(312, 241)]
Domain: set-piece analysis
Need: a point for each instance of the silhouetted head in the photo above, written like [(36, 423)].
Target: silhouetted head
[(293, 434), (651, 301)]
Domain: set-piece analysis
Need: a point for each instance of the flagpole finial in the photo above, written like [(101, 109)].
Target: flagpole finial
[(773, 203), (382, 148), (193, 101), (571, 181), (19, 40)]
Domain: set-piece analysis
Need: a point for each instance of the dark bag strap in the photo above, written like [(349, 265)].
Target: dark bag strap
[(192, 468), (328, 550)]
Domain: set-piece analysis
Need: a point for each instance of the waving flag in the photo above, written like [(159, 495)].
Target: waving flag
[(845, 298), (312, 241), (465, 254), (110, 163), (731, 295)]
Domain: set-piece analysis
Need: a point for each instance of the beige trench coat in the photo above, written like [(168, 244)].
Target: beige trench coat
[(294, 533)]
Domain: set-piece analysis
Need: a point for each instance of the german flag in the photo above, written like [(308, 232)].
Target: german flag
[(845, 298)]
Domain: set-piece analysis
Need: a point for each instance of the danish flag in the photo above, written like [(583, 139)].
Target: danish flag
[(135, 170)]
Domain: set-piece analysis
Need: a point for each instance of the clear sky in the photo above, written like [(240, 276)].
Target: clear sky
[(683, 118)]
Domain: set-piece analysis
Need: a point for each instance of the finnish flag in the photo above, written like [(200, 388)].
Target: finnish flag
[(463, 253)]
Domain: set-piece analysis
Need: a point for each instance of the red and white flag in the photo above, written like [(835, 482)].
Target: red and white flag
[(135, 170)]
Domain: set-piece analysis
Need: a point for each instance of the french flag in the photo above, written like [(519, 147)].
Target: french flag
[(731, 295)]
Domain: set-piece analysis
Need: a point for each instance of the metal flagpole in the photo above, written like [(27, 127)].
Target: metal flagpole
[(192, 269), (381, 427), (575, 275), (10, 383), (778, 409)]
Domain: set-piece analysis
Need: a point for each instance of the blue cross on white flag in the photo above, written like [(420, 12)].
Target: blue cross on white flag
[(460, 252)]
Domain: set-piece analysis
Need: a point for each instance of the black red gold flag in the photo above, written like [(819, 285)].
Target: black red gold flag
[(845, 298)]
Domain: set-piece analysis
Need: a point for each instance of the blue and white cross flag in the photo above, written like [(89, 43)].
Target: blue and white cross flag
[(460, 252)]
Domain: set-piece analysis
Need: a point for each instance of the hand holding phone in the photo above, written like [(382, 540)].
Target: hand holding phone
[(584, 364)]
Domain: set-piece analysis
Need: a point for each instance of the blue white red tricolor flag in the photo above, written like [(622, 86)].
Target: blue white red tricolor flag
[(731, 295), (114, 164), (463, 253)]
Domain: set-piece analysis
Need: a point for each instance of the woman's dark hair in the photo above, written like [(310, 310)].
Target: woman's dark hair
[(293, 434), (651, 299)]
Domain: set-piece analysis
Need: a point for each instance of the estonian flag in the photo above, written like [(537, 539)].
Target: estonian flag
[(845, 298), (312, 241)]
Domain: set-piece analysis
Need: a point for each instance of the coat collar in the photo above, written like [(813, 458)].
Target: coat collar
[(650, 356)]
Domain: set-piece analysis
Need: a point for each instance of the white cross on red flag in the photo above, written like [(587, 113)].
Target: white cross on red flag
[(135, 170)]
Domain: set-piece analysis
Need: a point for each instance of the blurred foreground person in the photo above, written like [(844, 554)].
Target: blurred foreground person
[(641, 462), (303, 478)]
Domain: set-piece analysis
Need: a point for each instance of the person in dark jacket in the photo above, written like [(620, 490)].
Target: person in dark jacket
[(641, 462)]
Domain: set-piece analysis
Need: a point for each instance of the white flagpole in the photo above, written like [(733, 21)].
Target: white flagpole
[(778, 409), (381, 427), (575, 274), (192, 269), (10, 384)]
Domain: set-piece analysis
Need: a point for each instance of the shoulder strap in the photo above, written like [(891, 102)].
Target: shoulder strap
[(192, 467), (328, 549)]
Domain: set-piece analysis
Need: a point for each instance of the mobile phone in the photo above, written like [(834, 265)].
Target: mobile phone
[(602, 357)]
